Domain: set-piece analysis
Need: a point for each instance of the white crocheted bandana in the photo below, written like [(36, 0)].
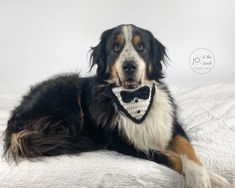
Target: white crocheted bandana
[(135, 104)]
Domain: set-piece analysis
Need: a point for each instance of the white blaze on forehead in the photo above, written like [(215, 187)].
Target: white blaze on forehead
[(129, 53), (127, 31)]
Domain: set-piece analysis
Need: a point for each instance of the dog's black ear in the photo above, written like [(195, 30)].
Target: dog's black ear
[(98, 54), (158, 58)]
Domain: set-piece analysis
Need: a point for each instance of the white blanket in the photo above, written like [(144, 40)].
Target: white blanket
[(208, 115)]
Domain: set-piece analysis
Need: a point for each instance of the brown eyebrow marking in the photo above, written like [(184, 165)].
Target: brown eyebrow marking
[(137, 39), (120, 39)]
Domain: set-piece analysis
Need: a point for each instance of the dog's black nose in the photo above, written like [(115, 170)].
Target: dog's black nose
[(129, 67)]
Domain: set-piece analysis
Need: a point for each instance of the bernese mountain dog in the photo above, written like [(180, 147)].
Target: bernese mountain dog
[(125, 107)]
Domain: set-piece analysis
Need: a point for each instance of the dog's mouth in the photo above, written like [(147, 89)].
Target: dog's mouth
[(130, 83)]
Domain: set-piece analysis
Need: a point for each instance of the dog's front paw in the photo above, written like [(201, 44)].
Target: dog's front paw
[(196, 176), (218, 181)]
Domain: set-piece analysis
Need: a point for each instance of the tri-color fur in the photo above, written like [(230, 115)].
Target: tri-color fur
[(68, 114)]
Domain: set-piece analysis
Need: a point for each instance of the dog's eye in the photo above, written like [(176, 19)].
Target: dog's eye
[(116, 47), (140, 47)]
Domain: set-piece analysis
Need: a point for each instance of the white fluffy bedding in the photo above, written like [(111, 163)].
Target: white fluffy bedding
[(208, 115)]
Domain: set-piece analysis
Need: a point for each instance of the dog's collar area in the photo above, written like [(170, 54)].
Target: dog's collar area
[(135, 104)]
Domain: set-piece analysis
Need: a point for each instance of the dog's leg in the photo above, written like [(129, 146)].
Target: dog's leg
[(181, 157), (196, 175)]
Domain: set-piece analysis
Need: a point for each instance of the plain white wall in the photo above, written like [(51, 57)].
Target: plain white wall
[(40, 38)]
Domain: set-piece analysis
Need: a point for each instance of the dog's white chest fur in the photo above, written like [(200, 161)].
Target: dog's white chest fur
[(156, 130)]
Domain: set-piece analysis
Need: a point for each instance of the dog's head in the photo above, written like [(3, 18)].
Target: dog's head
[(128, 56)]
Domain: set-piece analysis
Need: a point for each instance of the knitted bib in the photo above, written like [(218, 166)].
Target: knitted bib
[(135, 104)]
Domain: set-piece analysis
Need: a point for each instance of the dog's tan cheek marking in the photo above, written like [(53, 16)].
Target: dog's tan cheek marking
[(80, 106), (120, 39), (136, 39), (182, 146), (148, 71), (114, 72)]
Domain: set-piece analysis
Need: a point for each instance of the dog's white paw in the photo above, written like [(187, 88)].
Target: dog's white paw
[(218, 181), (196, 176)]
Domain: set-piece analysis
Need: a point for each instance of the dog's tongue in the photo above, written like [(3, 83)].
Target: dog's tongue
[(130, 84)]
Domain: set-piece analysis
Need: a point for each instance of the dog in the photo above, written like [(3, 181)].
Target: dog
[(125, 107)]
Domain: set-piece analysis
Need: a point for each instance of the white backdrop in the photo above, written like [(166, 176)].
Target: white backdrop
[(40, 38)]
